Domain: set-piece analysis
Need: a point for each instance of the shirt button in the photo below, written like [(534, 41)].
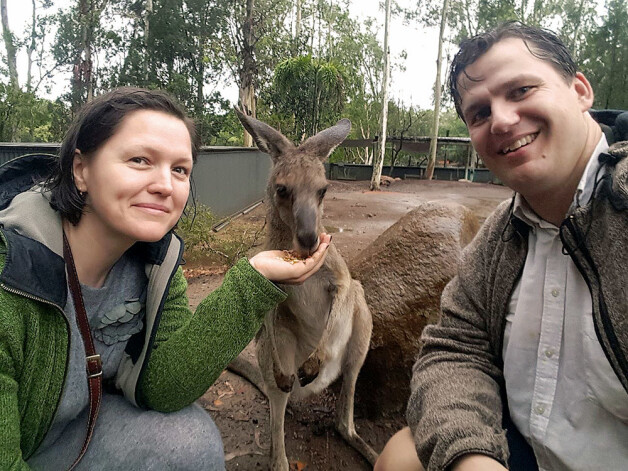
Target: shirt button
[(539, 409), (555, 292), (549, 353)]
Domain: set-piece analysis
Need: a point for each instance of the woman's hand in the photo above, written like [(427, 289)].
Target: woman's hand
[(271, 264)]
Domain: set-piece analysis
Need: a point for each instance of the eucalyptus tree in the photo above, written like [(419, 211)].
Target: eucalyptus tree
[(378, 161), (9, 44), (309, 92), (22, 113), (605, 57), (578, 20), (429, 171), (167, 44), (77, 44)]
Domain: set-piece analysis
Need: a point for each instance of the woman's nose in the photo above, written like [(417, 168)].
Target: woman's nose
[(161, 182)]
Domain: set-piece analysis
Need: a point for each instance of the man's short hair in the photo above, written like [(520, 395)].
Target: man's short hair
[(542, 44)]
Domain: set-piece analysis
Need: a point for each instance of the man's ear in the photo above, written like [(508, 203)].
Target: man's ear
[(79, 171), (584, 91)]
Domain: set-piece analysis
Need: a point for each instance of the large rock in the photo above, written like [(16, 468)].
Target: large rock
[(403, 273)]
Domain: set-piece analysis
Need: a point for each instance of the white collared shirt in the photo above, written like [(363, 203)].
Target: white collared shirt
[(563, 394)]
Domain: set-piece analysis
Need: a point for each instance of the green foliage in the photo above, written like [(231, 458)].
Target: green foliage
[(194, 227), (26, 118), (605, 57), (309, 92), (331, 70), (204, 246), (451, 125)]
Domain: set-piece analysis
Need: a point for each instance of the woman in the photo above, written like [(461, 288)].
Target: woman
[(117, 190)]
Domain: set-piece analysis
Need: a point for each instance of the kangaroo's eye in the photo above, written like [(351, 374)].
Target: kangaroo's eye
[(321, 193), (282, 191)]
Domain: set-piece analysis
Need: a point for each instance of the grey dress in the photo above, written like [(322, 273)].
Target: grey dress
[(125, 437)]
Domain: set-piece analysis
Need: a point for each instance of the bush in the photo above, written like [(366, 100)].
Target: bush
[(205, 247)]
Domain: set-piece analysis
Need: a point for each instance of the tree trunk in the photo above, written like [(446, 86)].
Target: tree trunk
[(7, 35), (82, 80), (81, 65), (248, 69), (297, 28), (31, 49), (378, 161), (429, 173), (147, 15), (200, 72), (576, 30)]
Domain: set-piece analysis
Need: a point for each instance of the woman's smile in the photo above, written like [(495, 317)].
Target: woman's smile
[(152, 208)]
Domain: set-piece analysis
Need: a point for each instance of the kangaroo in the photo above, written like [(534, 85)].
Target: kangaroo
[(323, 329)]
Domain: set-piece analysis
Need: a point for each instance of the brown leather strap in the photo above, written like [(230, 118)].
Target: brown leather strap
[(93, 362)]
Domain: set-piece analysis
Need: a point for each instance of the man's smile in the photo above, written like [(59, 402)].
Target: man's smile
[(523, 141)]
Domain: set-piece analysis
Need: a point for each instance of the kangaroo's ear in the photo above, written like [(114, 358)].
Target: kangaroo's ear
[(323, 143), (268, 140)]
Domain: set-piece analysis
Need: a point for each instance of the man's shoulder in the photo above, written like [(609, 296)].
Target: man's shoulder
[(619, 153), (619, 148), (498, 222), (618, 189), (500, 233)]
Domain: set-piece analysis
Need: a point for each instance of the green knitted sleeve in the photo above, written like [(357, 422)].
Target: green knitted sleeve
[(11, 356), (190, 351)]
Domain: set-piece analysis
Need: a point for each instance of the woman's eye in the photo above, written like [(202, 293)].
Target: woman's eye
[(138, 160), (181, 170)]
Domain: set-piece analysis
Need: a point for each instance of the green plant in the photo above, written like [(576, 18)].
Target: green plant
[(204, 246)]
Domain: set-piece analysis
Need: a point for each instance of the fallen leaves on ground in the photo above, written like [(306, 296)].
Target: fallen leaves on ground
[(298, 465), (196, 272)]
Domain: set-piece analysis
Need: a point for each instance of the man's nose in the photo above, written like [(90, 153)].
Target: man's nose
[(161, 182), (503, 117)]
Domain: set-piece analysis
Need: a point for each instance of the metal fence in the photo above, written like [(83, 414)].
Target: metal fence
[(341, 171)]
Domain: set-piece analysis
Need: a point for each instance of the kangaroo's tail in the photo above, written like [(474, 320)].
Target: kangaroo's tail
[(249, 371)]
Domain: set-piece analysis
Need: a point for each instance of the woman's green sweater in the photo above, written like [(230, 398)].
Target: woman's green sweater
[(183, 352)]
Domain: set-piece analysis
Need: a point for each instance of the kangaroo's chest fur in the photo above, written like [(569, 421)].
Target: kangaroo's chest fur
[(310, 313)]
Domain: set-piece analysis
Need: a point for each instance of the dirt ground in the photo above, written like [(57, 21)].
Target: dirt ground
[(355, 217)]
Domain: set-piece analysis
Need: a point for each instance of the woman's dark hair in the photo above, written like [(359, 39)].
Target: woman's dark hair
[(542, 44), (95, 123)]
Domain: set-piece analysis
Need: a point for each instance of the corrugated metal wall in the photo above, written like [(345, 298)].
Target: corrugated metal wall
[(230, 179), (10, 150), (227, 179)]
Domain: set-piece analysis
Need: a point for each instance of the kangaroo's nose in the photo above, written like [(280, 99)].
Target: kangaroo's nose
[(308, 240)]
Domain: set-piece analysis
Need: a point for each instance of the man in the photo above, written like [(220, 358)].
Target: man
[(535, 323)]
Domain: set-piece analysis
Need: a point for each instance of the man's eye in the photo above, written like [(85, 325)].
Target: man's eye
[(138, 160), (480, 115), (521, 91)]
